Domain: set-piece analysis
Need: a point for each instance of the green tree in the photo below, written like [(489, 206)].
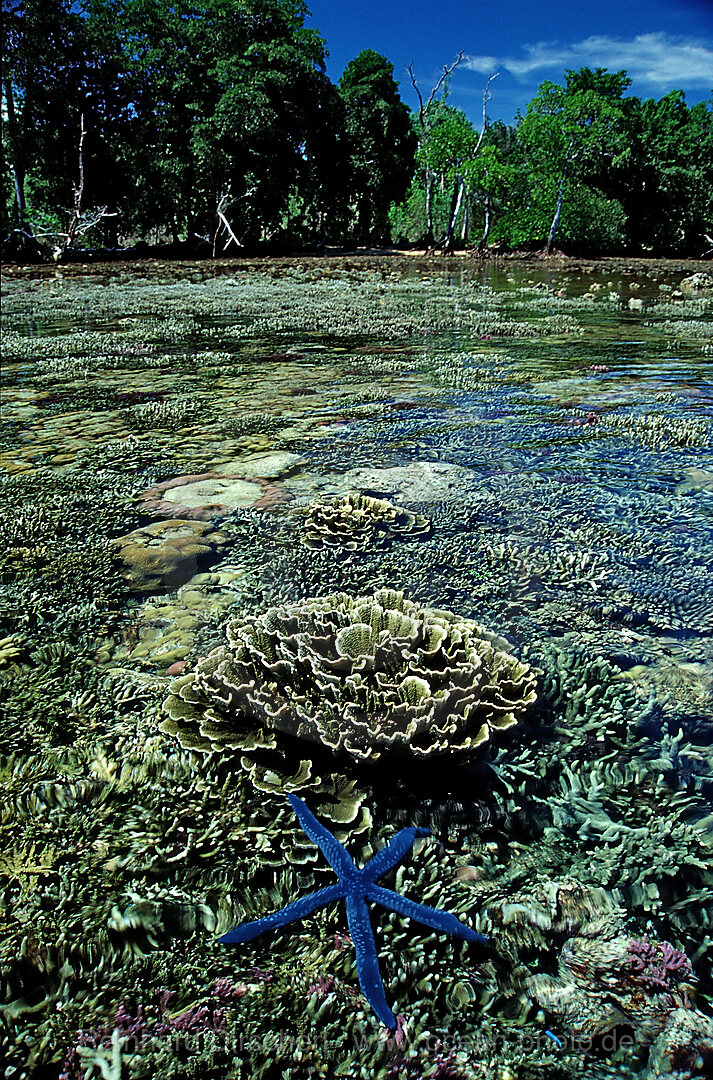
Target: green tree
[(664, 180), (568, 131), (381, 144), (35, 37), (223, 93), (490, 179)]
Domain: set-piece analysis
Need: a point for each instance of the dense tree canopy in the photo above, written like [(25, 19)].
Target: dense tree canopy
[(212, 124), (380, 140)]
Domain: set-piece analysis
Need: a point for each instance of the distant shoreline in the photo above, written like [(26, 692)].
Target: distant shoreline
[(535, 260)]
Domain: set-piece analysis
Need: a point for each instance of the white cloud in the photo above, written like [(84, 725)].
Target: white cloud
[(657, 60)]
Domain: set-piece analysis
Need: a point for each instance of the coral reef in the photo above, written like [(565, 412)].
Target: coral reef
[(356, 887), (566, 475), (163, 556), (363, 675), (206, 495), (695, 284), (355, 521)]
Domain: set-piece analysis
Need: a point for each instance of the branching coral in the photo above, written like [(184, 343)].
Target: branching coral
[(657, 964)]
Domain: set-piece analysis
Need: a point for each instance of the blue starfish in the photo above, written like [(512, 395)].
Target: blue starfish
[(357, 887)]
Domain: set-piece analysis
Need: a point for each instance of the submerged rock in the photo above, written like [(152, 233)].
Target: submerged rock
[(163, 556), (420, 481), (695, 284)]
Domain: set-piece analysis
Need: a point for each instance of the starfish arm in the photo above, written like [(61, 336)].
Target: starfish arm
[(294, 911), (392, 854), (367, 960), (334, 852), (435, 918)]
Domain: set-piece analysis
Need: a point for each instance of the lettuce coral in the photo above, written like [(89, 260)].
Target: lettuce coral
[(368, 676)]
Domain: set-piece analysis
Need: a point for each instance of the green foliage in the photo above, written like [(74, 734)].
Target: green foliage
[(590, 223), (381, 144), (213, 121), (223, 95), (449, 141), (568, 131), (665, 181)]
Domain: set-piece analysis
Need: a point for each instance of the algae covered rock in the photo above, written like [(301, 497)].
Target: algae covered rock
[(697, 284), (207, 495), (366, 676), (167, 554), (356, 521)]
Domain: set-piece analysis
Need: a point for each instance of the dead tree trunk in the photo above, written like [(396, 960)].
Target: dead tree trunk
[(78, 195), (423, 107), (486, 224), (224, 203), (456, 200), (466, 220), (558, 214), (446, 244), (80, 222), (16, 168), (429, 206)]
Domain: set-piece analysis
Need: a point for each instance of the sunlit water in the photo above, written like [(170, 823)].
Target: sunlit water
[(569, 479)]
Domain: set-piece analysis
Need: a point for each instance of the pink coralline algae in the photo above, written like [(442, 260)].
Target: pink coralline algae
[(137, 1030), (586, 421), (164, 500), (656, 964)]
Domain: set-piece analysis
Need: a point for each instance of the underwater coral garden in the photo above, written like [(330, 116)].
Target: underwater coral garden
[(426, 551)]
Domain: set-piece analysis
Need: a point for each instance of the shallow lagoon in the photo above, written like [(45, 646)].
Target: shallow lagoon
[(558, 439)]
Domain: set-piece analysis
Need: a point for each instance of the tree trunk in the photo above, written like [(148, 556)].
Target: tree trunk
[(456, 201), (16, 167), (558, 214), (78, 194), (466, 220), (486, 224), (429, 207)]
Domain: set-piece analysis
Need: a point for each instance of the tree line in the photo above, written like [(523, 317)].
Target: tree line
[(211, 126)]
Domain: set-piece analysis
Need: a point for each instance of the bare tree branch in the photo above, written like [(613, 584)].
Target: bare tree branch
[(80, 221), (486, 99), (414, 84), (224, 202), (447, 72)]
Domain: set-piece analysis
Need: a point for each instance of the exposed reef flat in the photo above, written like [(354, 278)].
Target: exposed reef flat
[(435, 553)]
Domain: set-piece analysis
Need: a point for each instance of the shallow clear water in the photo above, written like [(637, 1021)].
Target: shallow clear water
[(559, 443)]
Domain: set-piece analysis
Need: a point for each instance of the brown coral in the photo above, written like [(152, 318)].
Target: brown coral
[(367, 675), (167, 554), (355, 521)]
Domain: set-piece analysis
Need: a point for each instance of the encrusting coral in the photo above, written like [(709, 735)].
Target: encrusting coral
[(365, 675), (355, 521)]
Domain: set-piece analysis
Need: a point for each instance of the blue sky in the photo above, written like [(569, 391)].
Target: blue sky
[(663, 44)]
